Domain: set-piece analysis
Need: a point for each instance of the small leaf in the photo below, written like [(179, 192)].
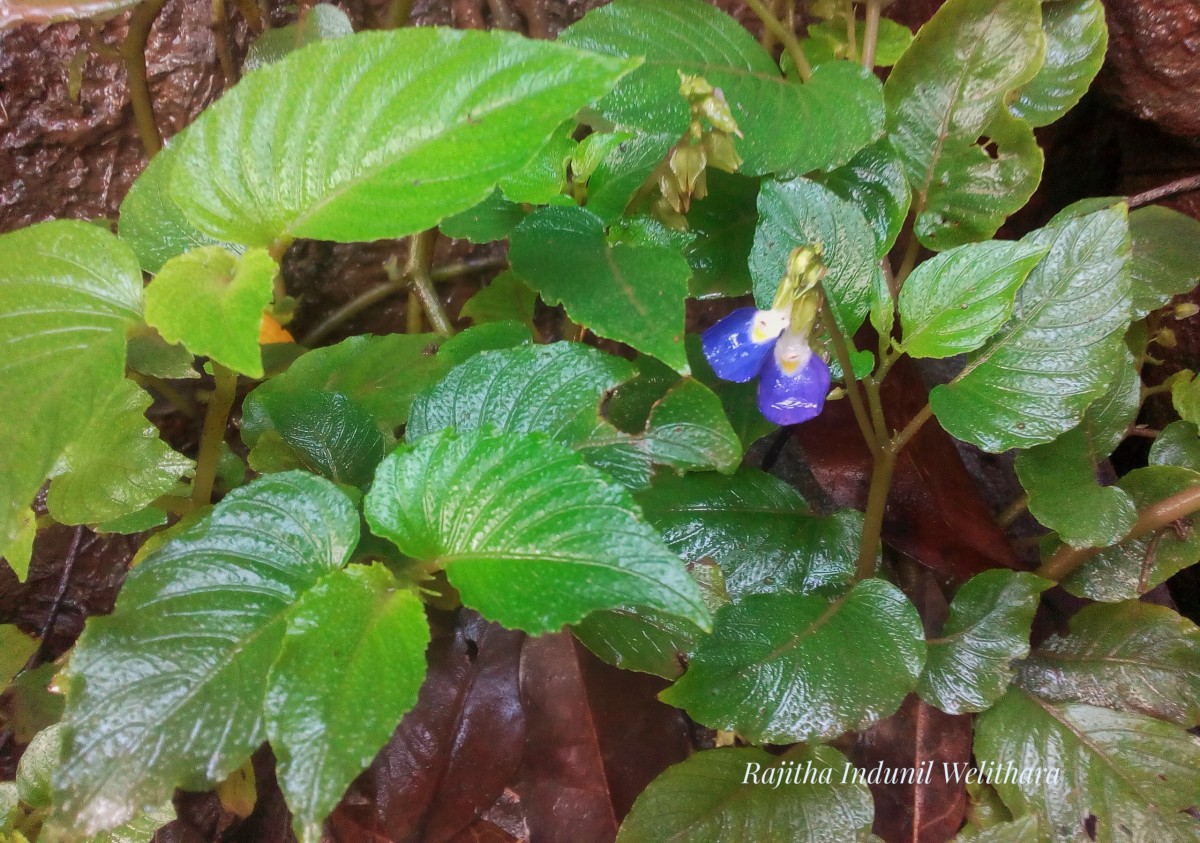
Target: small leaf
[(735, 794), (355, 636), (212, 302), (1177, 444), (1076, 39), (1165, 259), (828, 119), (1035, 378), (150, 221), (618, 177), (504, 513), (117, 466), (688, 430), (492, 219), (632, 294), (544, 178), (15, 651), (1185, 397), (320, 22), (947, 93), (506, 298), (69, 291), (955, 301), (1132, 567), (970, 664), (168, 690), (781, 668), (874, 181), (1130, 773), (826, 42), (492, 99), (1130, 656), (37, 766), (19, 551), (799, 213), (149, 354), (758, 529), (1060, 476), (724, 223)]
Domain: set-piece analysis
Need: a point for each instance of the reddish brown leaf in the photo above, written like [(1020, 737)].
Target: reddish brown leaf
[(935, 513)]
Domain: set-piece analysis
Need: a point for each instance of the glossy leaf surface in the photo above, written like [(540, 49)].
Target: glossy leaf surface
[(1165, 259), (1076, 39), (874, 181)]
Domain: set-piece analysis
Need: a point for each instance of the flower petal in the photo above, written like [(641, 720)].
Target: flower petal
[(790, 399), (732, 349)]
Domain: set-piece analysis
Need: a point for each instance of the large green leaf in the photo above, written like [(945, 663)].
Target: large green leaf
[(1132, 567), (68, 293), (948, 91), (955, 301), (528, 533), (800, 213), (970, 663), (378, 134), (151, 222), (1035, 378), (874, 181), (1177, 444), (740, 794), (118, 465), (780, 668), (788, 128), (1060, 476), (212, 301), (630, 293), (724, 223), (1166, 257), (351, 665), (1076, 39), (758, 529), (1130, 656), (1131, 773), (168, 690)]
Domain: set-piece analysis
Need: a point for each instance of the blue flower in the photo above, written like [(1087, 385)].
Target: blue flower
[(748, 343), (738, 345)]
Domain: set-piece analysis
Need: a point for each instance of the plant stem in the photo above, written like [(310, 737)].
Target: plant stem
[(399, 13), (1154, 517), (216, 417), (911, 250), (133, 52), (852, 32), (871, 34), (853, 388), (418, 271), (1012, 512), (1187, 184), (910, 430), (786, 36)]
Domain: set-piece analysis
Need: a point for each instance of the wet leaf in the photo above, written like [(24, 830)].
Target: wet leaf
[(1165, 257), (1076, 39), (874, 181), (1177, 444)]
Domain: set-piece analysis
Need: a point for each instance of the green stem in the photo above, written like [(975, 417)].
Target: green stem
[(852, 32), (786, 36), (912, 250), (418, 271), (871, 34), (399, 13), (133, 52), (216, 418), (1154, 517), (877, 495), (853, 388), (1012, 512)]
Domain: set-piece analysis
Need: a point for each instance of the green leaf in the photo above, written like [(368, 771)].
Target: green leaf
[(1185, 397), (390, 145), (713, 797), (955, 301), (356, 637), (688, 430), (617, 177), (37, 766), (724, 223), (1132, 567), (1131, 773), (781, 668), (554, 389), (1035, 378), (68, 293), (788, 128), (509, 516), (874, 181), (949, 90), (325, 432), (758, 529), (168, 690), (149, 354), (1076, 39), (1024, 830), (150, 221), (632, 294), (544, 178), (15, 649), (505, 298), (141, 829), (321, 22), (801, 212), (212, 302), (19, 552), (740, 400), (117, 465), (1129, 656), (1060, 476), (1166, 257), (826, 42), (492, 219), (971, 663), (1177, 444)]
